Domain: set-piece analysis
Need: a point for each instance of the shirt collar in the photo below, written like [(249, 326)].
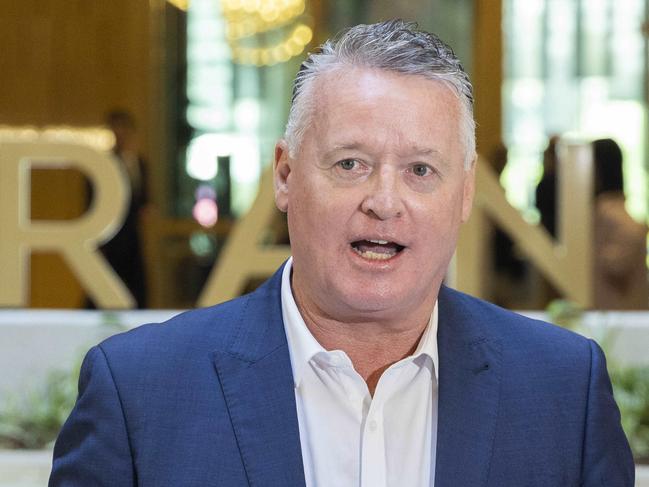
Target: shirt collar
[(428, 343), (303, 346)]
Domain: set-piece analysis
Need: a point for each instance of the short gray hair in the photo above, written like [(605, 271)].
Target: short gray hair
[(395, 46)]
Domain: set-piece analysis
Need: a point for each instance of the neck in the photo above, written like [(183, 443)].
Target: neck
[(372, 345)]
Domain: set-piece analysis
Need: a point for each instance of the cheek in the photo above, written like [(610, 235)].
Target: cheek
[(439, 218), (314, 201), (312, 217)]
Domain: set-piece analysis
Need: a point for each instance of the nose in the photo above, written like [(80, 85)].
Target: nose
[(383, 199)]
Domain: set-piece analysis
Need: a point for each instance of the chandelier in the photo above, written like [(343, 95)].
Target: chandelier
[(263, 32)]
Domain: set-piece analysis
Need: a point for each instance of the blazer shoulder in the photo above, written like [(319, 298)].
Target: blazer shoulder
[(206, 329), (514, 330), (199, 330)]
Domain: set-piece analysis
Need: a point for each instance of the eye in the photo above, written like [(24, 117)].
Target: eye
[(421, 170), (348, 164)]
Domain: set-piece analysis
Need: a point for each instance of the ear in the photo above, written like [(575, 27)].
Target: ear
[(281, 172), (469, 190)]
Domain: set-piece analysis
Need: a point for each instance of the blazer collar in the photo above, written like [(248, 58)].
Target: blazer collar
[(255, 374), (469, 392), (257, 381)]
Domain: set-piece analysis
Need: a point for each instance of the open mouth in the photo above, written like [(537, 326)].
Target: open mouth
[(376, 249)]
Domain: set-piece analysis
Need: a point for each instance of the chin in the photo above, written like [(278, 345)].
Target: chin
[(370, 303)]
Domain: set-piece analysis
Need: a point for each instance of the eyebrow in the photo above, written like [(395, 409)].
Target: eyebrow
[(425, 151), (346, 146), (352, 146), (412, 150)]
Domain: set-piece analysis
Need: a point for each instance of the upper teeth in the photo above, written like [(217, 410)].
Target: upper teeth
[(380, 242)]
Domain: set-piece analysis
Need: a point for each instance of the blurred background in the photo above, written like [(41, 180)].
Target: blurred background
[(190, 97), (186, 98)]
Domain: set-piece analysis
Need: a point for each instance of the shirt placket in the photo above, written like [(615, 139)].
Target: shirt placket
[(373, 460)]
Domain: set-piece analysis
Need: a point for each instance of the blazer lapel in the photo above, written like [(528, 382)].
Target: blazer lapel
[(469, 393), (257, 381)]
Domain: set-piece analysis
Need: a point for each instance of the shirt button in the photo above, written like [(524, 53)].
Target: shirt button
[(373, 425)]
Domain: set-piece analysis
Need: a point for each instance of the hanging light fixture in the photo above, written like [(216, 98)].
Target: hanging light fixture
[(265, 32)]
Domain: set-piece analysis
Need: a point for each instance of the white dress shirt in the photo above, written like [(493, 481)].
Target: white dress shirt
[(348, 437)]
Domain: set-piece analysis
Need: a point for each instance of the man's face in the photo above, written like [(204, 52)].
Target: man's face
[(375, 194)]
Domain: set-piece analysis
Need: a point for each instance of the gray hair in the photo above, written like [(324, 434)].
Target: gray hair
[(395, 46)]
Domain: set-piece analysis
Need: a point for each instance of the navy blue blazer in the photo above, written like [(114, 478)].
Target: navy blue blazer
[(207, 399)]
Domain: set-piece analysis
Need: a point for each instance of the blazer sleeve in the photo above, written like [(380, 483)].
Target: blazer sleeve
[(607, 458), (93, 445)]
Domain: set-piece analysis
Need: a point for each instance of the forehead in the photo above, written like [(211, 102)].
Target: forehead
[(385, 110)]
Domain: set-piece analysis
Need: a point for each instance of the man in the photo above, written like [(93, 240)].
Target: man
[(354, 365), (124, 250)]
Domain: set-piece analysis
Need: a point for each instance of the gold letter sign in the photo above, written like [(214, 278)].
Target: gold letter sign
[(77, 240)]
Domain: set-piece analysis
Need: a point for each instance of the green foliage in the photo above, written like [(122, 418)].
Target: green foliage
[(32, 420), (630, 384), (564, 313), (631, 389)]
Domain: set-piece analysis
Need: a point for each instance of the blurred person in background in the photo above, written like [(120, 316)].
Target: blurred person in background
[(620, 241), (510, 270), (124, 251), (548, 205), (546, 190)]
